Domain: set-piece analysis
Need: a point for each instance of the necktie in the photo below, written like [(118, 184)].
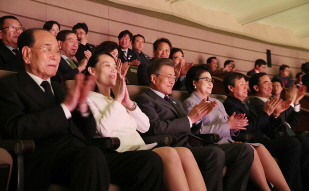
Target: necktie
[(167, 99), (124, 53), (245, 104), (17, 53), (48, 92), (72, 64)]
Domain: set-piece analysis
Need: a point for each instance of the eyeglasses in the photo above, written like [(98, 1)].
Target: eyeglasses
[(169, 77), (12, 28), (208, 80)]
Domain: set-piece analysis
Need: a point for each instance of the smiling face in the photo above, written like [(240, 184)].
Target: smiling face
[(240, 89), (105, 71), (81, 34), (125, 42), (54, 30), (277, 89), (165, 81), (10, 36), (43, 58), (264, 88), (203, 85), (69, 46), (163, 50), (177, 57)]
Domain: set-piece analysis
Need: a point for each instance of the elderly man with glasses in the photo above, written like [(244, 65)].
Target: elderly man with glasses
[(10, 57)]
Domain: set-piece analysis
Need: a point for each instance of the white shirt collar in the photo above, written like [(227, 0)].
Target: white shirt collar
[(39, 80), (262, 98), (158, 93)]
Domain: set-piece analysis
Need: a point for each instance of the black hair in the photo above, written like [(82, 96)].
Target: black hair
[(137, 35), (277, 80), (107, 46), (227, 62), (124, 33), (193, 74), (255, 80), (80, 26), (2, 19), (158, 41), (229, 80), (210, 59), (26, 38), (299, 73), (94, 59), (157, 64), (260, 62), (283, 66), (174, 50), (62, 35), (49, 24)]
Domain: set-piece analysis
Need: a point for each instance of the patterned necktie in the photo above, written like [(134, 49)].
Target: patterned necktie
[(48, 92), (17, 53), (72, 64), (124, 53)]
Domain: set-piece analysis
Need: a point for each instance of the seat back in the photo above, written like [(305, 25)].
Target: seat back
[(132, 75)]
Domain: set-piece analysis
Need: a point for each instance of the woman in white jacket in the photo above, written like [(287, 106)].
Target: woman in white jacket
[(120, 117)]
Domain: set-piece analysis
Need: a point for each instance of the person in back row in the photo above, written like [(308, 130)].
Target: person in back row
[(167, 116), (53, 27), (259, 66)]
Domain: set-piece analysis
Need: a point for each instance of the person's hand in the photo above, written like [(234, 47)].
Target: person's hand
[(127, 102), (177, 70), (300, 94), (119, 88), (201, 109), (284, 105), (186, 66), (74, 58), (135, 62), (237, 122), (271, 105), (84, 61), (79, 92), (291, 93)]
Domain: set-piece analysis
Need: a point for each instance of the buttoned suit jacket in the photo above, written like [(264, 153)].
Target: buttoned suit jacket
[(65, 72), (8, 61)]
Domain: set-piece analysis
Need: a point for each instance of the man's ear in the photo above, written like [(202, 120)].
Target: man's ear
[(256, 88), (60, 44), (231, 88), (26, 54), (153, 78)]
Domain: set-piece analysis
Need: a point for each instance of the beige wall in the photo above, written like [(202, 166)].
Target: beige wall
[(105, 23)]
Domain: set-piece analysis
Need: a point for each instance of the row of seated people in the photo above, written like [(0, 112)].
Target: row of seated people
[(76, 52), (193, 116)]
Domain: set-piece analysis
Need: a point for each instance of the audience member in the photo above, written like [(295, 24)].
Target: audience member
[(199, 84), (286, 150), (261, 86), (68, 68), (181, 68), (53, 27), (299, 80), (259, 66), (110, 47), (212, 62), (161, 49), (33, 107), (180, 168), (229, 66), (10, 56), (126, 54), (283, 76), (292, 114), (138, 46), (81, 31), (167, 116)]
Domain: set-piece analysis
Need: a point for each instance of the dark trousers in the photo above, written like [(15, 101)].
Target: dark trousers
[(212, 159), (288, 152), (304, 141)]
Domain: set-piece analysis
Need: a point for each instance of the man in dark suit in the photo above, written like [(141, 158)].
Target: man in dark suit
[(283, 76), (33, 107), (81, 31), (10, 58), (68, 68), (138, 46), (261, 86), (126, 54), (167, 116), (287, 150), (259, 66)]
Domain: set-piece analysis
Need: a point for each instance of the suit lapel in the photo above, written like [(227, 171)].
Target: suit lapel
[(161, 101), (58, 91), (33, 90)]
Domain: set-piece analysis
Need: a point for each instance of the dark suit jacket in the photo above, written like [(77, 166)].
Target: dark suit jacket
[(165, 118), (256, 121), (26, 114), (131, 55), (81, 48), (142, 57), (288, 80), (65, 72), (8, 61), (142, 75), (251, 73)]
